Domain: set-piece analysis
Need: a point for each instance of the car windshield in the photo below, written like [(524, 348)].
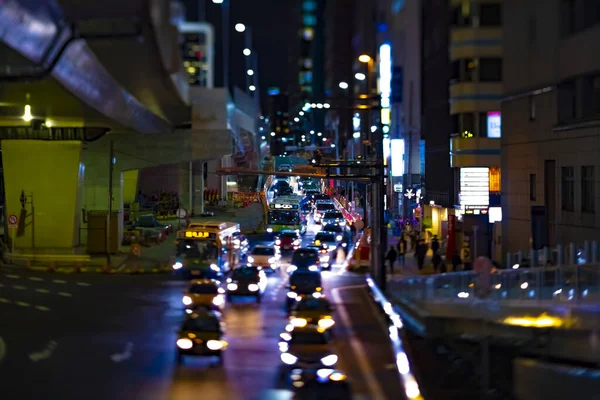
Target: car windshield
[(313, 304), (325, 237), (305, 258), (333, 214), (310, 338), (204, 288), (303, 280), (205, 323), (325, 206), (198, 249), (246, 272), (263, 251), (283, 217)]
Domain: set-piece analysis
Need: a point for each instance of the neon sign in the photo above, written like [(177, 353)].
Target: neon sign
[(197, 235), (385, 81)]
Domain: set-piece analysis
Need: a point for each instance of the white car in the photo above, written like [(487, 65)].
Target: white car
[(264, 256)]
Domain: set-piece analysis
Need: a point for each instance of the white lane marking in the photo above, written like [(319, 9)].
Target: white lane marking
[(44, 354), (357, 347), (82, 284), (125, 355), (65, 294), (19, 287), (58, 281), (42, 308), (2, 349), (11, 276), (4, 300), (35, 278), (22, 304), (42, 290)]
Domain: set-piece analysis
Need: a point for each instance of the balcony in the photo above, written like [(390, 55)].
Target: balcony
[(468, 42), (466, 97), (474, 152)]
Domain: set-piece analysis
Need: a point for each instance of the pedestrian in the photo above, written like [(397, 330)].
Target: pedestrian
[(435, 245), (420, 253), (401, 247), (437, 261), (456, 261), (391, 258)]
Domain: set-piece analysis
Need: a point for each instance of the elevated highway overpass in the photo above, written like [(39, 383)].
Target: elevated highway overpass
[(76, 77)]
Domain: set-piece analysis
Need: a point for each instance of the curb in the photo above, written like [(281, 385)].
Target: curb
[(94, 270)]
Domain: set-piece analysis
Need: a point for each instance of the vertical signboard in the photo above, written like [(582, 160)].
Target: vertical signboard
[(451, 244), (474, 187), (494, 124), (397, 153)]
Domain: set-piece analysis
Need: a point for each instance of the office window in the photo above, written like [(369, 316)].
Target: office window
[(591, 13), (490, 69), (532, 29), (490, 15), (532, 187), (470, 70), (468, 123), (587, 189), (455, 124), (567, 14), (309, 5), (483, 124), (532, 108), (595, 84), (568, 188), (567, 101), (310, 20)]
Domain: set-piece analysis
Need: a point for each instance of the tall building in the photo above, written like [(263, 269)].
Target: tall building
[(551, 113), (462, 90), (279, 135)]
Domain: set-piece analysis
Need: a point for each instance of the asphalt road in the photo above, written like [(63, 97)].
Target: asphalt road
[(113, 337)]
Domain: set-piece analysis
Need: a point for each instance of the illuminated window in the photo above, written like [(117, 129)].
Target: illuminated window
[(309, 5), (310, 20), (307, 63), (308, 33)]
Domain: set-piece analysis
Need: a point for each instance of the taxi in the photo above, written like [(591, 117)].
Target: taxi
[(309, 310), (206, 293), (305, 348), (323, 384), (201, 334)]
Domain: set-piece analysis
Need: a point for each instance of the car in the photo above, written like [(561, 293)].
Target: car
[(288, 240), (285, 168), (328, 238), (203, 292), (240, 242), (285, 191), (311, 193), (303, 282), (305, 348), (320, 197), (333, 218), (310, 310), (265, 257), (201, 334), (189, 262), (321, 209), (305, 258), (324, 255), (322, 384), (247, 281)]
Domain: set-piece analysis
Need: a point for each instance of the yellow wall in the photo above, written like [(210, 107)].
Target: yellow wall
[(130, 181), (50, 170)]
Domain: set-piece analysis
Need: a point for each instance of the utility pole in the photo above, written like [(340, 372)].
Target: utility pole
[(111, 167)]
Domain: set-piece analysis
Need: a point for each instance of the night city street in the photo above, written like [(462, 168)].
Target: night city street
[(100, 337)]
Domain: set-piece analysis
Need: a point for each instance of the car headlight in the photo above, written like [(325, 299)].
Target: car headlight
[(177, 265), (291, 268), (185, 344), (187, 300), (250, 259), (313, 268), (317, 295), (344, 245), (218, 300), (299, 322), (232, 286), (269, 230), (292, 295), (272, 260), (329, 360), (338, 237), (253, 287), (342, 223), (215, 344), (215, 267), (289, 359), (326, 322)]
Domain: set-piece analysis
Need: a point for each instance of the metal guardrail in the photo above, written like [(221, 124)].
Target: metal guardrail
[(565, 285), (411, 386)]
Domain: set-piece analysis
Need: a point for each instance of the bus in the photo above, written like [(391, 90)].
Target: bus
[(207, 249), (284, 214)]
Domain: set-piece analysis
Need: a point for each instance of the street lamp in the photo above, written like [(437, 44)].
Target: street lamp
[(296, 119), (301, 113), (240, 27), (218, 1), (360, 76), (250, 72), (344, 85), (364, 58), (272, 133), (252, 88), (247, 52)]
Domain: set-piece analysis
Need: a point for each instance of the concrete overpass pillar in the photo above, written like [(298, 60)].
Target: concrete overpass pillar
[(130, 186), (50, 173)]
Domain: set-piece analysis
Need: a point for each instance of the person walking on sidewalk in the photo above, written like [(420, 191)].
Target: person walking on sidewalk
[(435, 245), (391, 258), (401, 247), (420, 252)]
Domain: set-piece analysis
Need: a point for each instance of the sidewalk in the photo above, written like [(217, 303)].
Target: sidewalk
[(410, 267)]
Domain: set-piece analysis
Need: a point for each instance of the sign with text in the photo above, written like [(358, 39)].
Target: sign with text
[(474, 187), (13, 221), (494, 124)]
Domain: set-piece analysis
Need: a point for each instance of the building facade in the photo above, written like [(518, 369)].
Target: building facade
[(551, 128)]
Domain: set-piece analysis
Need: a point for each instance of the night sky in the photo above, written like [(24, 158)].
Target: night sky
[(275, 24)]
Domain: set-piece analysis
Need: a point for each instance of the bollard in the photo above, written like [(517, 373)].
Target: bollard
[(560, 255), (586, 251), (594, 246), (572, 254), (509, 260)]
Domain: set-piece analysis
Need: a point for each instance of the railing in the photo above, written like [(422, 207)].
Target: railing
[(571, 254), (565, 285)]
